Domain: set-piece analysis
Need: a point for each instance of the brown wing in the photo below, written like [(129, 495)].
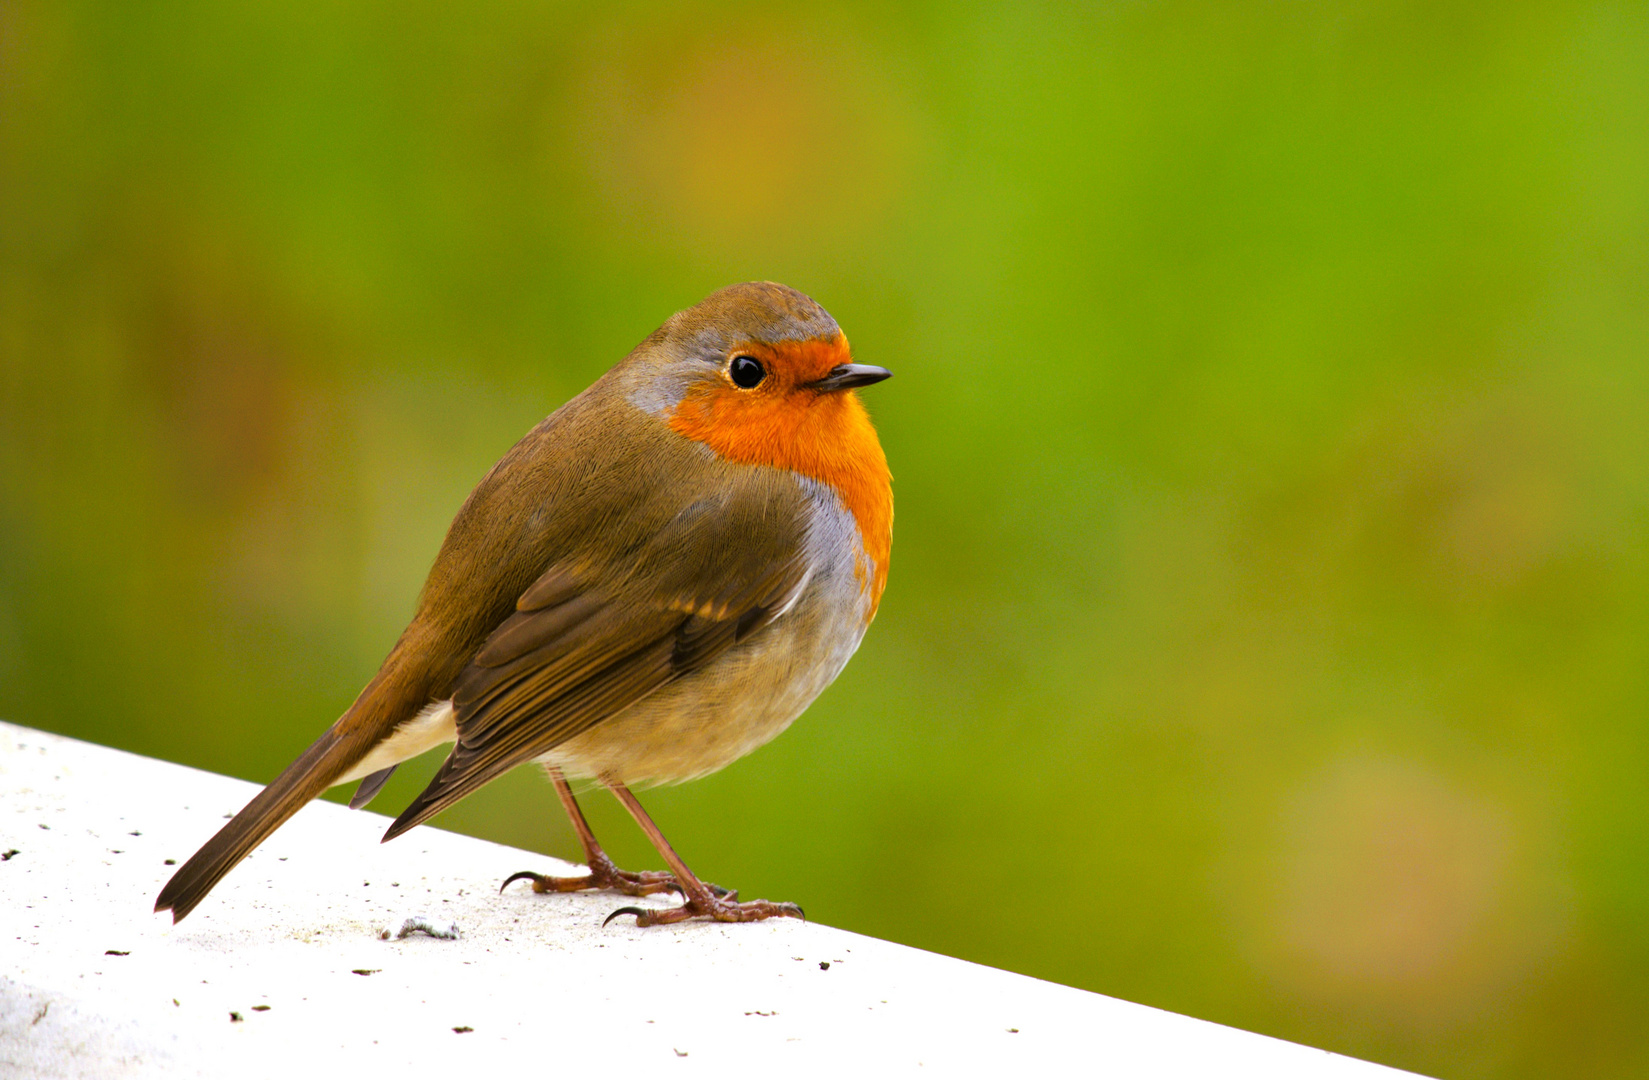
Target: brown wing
[(582, 645)]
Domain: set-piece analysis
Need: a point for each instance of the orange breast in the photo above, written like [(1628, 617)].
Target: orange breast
[(828, 437)]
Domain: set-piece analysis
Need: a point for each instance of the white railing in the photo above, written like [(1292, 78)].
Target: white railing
[(283, 971)]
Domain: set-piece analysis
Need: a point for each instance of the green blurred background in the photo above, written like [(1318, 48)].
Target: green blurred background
[(1268, 631)]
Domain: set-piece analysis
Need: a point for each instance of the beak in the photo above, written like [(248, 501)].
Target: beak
[(847, 376)]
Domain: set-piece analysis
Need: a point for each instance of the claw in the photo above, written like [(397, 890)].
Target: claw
[(639, 913), (706, 906), (525, 875)]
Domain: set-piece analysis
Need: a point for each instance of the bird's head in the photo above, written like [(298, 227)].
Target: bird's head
[(762, 375), (748, 357)]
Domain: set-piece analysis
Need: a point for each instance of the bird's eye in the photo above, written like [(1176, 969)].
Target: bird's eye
[(747, 372)]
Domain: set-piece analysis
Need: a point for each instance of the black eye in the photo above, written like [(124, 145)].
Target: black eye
[(747, 372)]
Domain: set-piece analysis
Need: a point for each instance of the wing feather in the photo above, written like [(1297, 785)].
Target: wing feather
[(581, 647)]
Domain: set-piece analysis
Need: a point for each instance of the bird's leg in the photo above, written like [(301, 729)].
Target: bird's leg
[(702, 900), (603, 874)]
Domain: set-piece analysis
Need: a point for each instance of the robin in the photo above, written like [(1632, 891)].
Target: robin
[(652, 583)]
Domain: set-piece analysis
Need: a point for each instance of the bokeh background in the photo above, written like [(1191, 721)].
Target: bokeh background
[(1268, 630)]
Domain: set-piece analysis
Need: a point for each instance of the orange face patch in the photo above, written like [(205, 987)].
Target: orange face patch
[(783, 423)]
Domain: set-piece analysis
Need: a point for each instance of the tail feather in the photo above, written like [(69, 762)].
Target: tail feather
[(305, 778), (370, 787)]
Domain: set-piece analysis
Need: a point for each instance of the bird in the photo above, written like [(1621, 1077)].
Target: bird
[(654, 581)]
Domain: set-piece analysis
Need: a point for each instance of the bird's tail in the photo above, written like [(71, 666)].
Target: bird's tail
[(394, 693), (314, 771)]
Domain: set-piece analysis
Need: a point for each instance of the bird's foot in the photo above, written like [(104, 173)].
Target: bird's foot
[(720, 908), (603, 875)]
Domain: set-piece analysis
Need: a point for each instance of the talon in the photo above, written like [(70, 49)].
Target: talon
[(705, 906), (639, 913), (525, 875)]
